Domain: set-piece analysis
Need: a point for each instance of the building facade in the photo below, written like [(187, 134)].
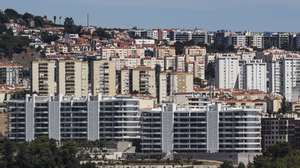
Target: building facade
[(227, 71), (210, 128), (74, 118)]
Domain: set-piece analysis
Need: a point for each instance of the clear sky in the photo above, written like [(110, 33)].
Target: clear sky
[(253, 15)]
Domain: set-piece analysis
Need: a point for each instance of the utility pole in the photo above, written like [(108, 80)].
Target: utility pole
[(88, 20)]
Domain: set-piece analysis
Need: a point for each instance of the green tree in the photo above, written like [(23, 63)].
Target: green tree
[(70, 26), (11, 14), (227, 164), (27, 17), (210, 71), (100, 32), (68, 152), (88, 165), (241, 165), (13, 44), (179, 48), (48, 38), (38, 21), (3, 18), (7, 154), (278, 156), (2, 28)]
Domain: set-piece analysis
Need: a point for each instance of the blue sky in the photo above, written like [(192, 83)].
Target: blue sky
[(253, 15)]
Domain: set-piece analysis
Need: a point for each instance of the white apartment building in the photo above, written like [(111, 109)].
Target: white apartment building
[(144, 41), (122, 53), (227, 71), (257, 41), (180, 63), (253, 75), (212, 128), (74, 118), (274, 75), (239, 40), (291, 78)]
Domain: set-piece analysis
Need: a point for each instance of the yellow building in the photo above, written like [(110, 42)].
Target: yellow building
[(3, 123), (43, 77), (103, 78), (63, 77), (140, 80), (143, 81), (73, 78), (174, 82), (182, 82)]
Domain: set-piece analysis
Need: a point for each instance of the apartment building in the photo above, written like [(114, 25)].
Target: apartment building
[(181, 82), (194, 51), (143, 81), (211, 128), (239, 130), (125, 81), (257, 41), (140, 80), (239, 40), (183, 35), (198, 69), (273, 74), (74, 118), (164, 89), (3, 123), (174, 82), (73, 78), (227, 71), (200, 36), (180, 63), (170, 63), (10, 74), (103, 78), (291, 78), (161, 52), (129, 62), (64, 77), (280, 129), (253, 75), (152, 62), (119, 119), (43, 77), (122, 53)]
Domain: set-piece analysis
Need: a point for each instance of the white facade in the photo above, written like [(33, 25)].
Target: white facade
[(74, 118), (227, 71), (212, 128), (257, 41), (290, 78), (253, 75)]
